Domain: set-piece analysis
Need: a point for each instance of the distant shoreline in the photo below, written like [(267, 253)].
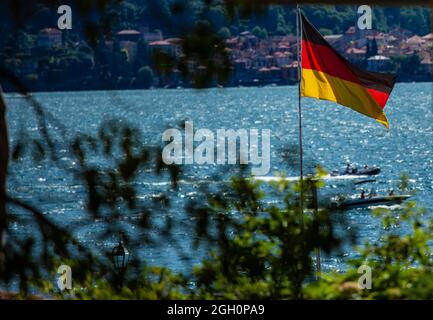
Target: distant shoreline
[(7, 90)]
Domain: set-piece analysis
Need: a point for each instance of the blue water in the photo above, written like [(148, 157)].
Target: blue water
[(333, 135)]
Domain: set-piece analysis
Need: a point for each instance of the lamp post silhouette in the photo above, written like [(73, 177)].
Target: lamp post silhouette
[(120, 259)]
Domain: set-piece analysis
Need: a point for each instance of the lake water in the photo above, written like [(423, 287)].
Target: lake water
[(333, 136)]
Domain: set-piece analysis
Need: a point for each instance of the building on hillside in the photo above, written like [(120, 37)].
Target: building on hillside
[(258, 61), (415, 43), (333, 38), (379, 37), (378, 63), (391, 40), (428, 38), (401, 34), (282, 58), (351, 33), (427, 66), (248, 40), (339, 41), (272, 75), (232, 43), (283, 47), (359, 43), (170, 47), (290, 38), (128, 35), (355, 54), (150, 36), (240, 69), (390, 50), (270, 61), (49, 37), (130, 47), (292, 71)]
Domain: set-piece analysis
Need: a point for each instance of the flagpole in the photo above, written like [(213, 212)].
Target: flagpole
[(301, 151), (299, 54), (301, 156)]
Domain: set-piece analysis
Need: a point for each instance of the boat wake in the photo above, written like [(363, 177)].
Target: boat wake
[(327, 177)]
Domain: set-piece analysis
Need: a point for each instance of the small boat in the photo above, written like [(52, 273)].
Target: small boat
[(350, 203), (354, 172)]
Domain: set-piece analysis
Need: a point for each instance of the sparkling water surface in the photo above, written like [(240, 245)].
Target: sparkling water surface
[(332, 136)]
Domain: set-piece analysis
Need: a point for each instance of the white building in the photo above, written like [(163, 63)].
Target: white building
[(377, 63)]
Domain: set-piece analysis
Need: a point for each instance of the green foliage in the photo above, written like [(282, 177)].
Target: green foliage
[(110, 195), (264, 34), (33, 77), (259, 249), (216, 17), (154, 283), (401, 263), (207, 52), (325, 31), (256, 31), (407, 67), (269, 254), (260, 33), (265, 251), (224, 33), (415, 19), (145, 77)]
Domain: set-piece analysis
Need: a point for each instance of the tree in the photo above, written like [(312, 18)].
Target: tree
[(263, 34), (217, 17), (224, 33), (406, 67), (143, 56), (265, 251), (368, 51), (256, 31), (325, 31), (269, 254), (4, 162), (374, 49), (145, 77)]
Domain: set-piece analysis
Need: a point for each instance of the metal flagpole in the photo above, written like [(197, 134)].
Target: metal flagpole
[(301, 162), (301, 151), (299, 48)]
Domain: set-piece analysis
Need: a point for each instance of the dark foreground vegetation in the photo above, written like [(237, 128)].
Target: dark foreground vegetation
[(258, 249)]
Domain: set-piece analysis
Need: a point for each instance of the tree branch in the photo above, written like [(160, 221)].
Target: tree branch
[(4, 161)]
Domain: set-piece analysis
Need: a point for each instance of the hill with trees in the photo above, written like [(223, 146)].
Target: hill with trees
[(90, 64), (274, 20)]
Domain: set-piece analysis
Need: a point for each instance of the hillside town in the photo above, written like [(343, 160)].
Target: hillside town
[(126, 61)]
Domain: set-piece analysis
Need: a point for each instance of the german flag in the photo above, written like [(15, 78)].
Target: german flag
[(327, 75)]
